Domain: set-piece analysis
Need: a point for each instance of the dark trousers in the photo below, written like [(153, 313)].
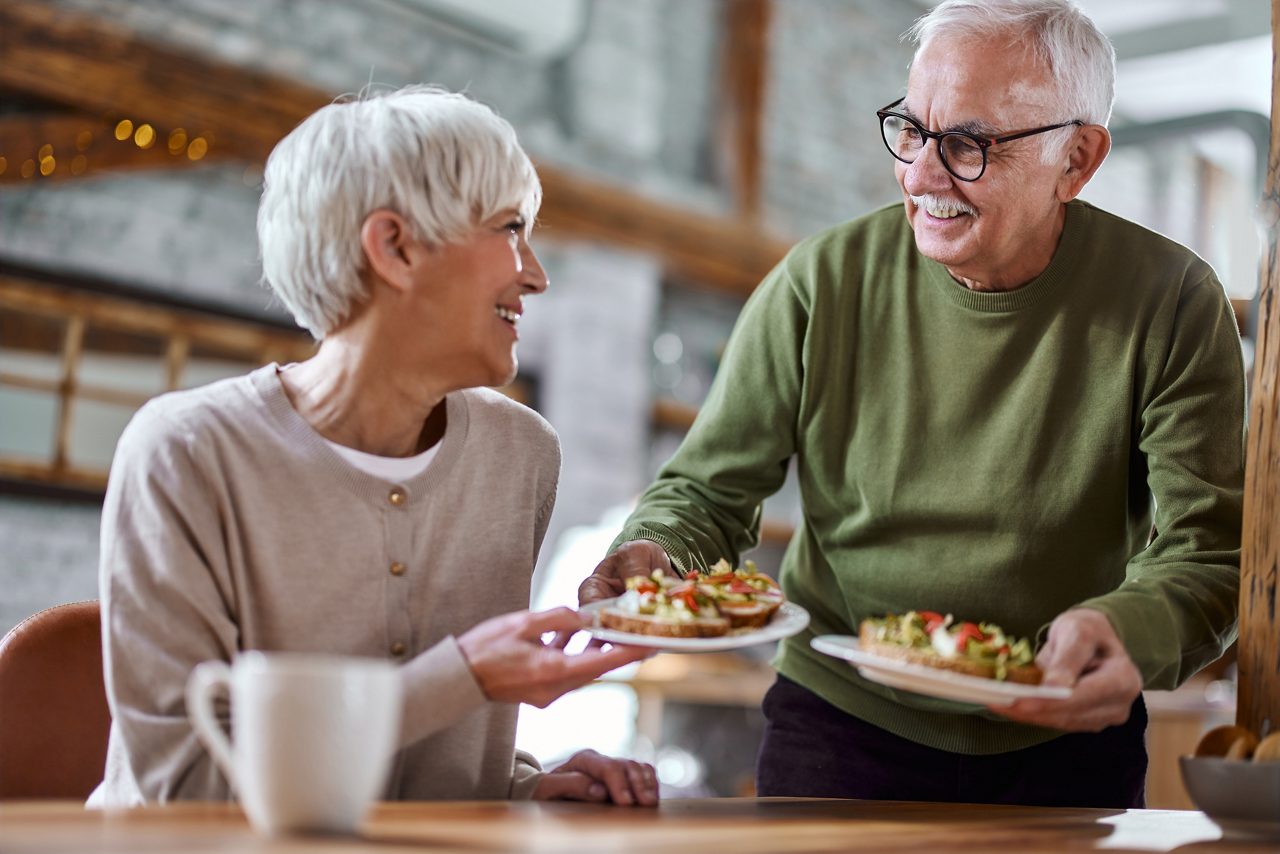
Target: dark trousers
[(813, 749)]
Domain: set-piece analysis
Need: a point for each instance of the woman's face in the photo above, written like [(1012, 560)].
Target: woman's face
[(467, 300)]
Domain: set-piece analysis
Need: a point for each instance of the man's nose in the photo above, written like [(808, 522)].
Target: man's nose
[(926, 173)]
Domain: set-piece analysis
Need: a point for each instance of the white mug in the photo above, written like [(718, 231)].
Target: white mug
[(313, 735)]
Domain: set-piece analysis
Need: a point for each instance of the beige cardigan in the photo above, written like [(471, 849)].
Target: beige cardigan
[(230, 525)]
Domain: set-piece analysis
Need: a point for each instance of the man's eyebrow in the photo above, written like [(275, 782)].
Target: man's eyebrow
[(974, 126)]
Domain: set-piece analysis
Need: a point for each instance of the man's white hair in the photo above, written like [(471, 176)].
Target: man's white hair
[(1080, 59), (441, 160)]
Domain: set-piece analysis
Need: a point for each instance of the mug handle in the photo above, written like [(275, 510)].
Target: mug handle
[(208, 678)]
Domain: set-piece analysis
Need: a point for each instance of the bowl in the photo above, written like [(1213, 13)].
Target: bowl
[(1241, 797)]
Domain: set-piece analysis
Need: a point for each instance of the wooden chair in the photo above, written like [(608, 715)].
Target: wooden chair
[(54, 718)]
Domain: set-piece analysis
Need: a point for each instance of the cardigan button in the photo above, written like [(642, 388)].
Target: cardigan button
[(397, 649), (397, 497), (398, 568)]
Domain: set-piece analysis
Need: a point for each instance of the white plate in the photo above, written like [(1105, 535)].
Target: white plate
[(789, 619), (929, 680)]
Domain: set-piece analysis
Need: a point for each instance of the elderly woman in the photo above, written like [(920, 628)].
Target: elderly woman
[(374, 500)]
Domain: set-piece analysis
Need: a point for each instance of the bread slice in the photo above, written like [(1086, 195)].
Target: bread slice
[(645, 624), (1026, 674), (749, 615)]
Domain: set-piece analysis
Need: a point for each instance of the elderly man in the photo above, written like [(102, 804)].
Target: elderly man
[(1008, 405)]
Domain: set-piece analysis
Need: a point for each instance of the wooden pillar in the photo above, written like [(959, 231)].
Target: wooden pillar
[(744, 58), (1258, 707)]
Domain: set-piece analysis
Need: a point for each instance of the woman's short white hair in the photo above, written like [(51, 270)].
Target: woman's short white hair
[(1080, 58), (441, 160)]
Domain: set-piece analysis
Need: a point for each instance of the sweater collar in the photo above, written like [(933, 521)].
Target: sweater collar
[(302, 436), (1060, 269)]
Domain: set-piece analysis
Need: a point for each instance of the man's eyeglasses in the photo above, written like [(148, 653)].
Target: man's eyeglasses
[(963, 154)]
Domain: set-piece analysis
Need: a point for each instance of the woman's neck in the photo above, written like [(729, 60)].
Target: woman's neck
[(350, 393)]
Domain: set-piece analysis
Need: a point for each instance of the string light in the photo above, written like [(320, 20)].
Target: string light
[(144, 137)]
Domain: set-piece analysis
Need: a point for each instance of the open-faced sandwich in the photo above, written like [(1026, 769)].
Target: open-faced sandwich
[(704, 605), (928, 638)]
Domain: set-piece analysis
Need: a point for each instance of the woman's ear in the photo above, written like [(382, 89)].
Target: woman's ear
[(386, 240), (1087, 151)]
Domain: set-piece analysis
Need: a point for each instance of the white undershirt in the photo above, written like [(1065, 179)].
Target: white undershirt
[(394, 469)]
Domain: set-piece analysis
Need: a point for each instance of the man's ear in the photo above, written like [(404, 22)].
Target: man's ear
[(387, 243), (1088, 149)]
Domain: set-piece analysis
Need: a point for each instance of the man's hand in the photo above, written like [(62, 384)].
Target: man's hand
[(638, 557), (1084, 653), (512, 664), (589, 776)]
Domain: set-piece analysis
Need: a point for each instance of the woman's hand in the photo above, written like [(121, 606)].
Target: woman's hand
[(512, 664), (589, 776), (638, 557), (1084, 653)]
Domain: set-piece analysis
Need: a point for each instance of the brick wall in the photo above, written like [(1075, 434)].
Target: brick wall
[(631, 102)]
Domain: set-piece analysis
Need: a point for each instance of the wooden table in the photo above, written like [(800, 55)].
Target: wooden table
[(720, 826)]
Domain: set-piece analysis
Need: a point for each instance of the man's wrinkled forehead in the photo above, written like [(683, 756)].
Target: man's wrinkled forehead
[(955, 73)]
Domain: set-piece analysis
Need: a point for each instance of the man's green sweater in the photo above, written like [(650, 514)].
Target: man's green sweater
[(990, 455)]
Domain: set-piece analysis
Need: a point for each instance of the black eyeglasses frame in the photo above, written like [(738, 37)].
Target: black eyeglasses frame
[(982, 142)]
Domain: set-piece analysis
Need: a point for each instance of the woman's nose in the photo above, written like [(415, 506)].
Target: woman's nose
[(532, 276)]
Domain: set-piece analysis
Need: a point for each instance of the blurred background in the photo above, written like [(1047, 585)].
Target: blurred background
[(683, 146)]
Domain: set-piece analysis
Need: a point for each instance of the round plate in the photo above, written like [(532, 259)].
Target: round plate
[(789, 619), (930, 681)]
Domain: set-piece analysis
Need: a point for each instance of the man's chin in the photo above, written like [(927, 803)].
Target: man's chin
[(945, 252)]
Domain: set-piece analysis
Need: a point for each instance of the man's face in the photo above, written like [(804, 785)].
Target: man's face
[(1000, 231)]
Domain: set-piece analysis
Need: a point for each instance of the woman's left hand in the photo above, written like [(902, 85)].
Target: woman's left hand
[(590, 776)]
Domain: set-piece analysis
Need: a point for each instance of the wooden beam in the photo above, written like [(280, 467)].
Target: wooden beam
[(724, 253), (101, 69), (235, 338), (744, 63), (1258, 702)]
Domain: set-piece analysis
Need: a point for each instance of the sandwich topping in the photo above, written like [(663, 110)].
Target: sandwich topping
[(981, 643), (722, 591)]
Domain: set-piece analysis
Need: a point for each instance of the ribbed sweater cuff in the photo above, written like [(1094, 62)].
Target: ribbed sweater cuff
[(682, 558), (525, 774), (439, 689)]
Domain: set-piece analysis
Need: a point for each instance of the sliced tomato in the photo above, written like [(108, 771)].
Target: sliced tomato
[(685, 593), (646, 586), (932, 619), (740, 586), (968, 632)]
